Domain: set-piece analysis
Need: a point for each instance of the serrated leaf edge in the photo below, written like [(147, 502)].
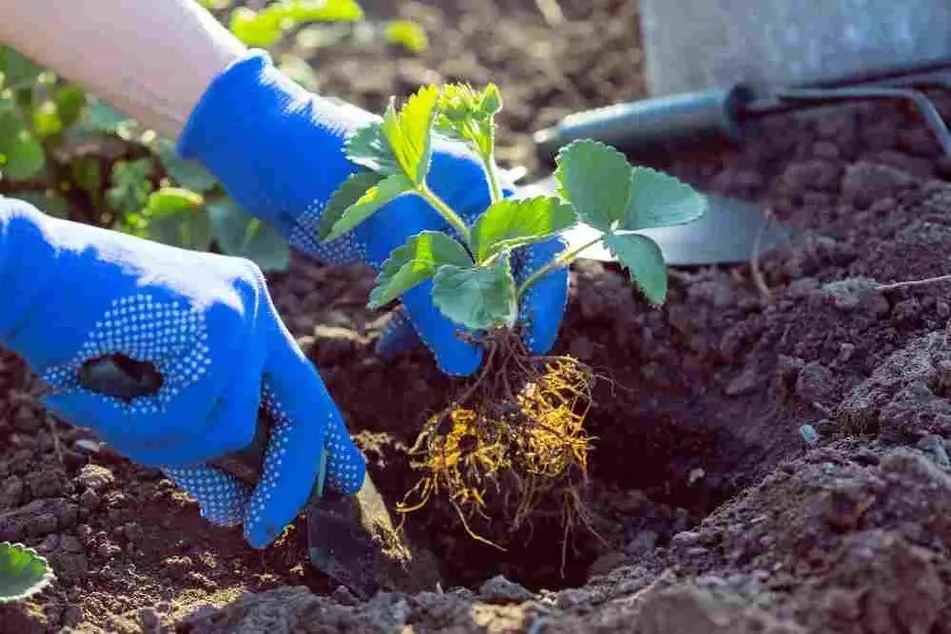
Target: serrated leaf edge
[(510, 243), (331, 214), (563, 151), (630, 273), (389, 269), (44, 582), (513, 285), (364, 200), (704, 201)]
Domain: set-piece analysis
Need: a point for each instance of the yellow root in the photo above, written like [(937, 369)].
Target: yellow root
[(529, 445)]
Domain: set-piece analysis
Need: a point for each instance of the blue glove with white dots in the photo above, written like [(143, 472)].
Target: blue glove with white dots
[(73, 293), (279, 151)]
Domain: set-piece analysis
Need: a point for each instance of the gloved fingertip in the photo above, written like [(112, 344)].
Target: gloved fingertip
[(346, 467), (458, 358), (542, 315), (454, 356), (398, 336), (222, 498), (543, 306), (291, 460)]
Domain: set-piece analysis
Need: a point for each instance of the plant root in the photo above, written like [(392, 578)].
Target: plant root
[(512, 444)]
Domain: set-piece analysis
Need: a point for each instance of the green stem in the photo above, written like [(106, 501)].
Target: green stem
[(492, 175), (561, 260), (446, 212)]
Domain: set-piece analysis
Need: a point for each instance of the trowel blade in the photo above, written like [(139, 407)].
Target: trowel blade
[(354, 541), (726, 234)]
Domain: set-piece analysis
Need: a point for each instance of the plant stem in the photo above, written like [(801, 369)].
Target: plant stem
[(492, 175), (561, 260), (446, 212)]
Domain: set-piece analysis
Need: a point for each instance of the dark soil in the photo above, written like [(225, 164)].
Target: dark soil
[(762, 464)]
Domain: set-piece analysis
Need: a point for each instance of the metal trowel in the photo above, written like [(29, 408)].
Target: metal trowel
[(352, 539), (732, 231)]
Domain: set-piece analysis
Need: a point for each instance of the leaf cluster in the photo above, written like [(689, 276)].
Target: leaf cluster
[(470, 266)]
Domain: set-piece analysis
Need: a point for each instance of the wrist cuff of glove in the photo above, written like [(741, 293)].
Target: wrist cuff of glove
[(262, 135), (25, 252), (237, 127)]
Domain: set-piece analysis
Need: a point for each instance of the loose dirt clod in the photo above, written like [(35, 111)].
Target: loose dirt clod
[(514, 440)]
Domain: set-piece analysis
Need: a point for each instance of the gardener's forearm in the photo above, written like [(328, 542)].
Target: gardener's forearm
[(151, 59)]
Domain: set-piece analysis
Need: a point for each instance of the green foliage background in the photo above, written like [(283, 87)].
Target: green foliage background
[(75, 157)]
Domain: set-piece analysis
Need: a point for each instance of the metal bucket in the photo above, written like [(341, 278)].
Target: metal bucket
[(694, 45)]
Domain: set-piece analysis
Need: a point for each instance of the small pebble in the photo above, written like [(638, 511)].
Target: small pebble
[(49, 544), (343, 596), (684, 539), (809, 434), (89, 499), (72, 615), (933, 445), (70, 544), (498, 589)]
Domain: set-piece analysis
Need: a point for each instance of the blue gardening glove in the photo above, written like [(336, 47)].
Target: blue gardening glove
[(72, 293), (279, 151)]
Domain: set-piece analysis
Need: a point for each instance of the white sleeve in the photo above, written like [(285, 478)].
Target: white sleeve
[(150, 59)]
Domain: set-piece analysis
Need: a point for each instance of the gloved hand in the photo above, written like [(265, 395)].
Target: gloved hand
[(72, 293), (278, 150)]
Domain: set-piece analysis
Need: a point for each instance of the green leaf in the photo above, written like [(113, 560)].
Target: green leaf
[(644, 261), (169, 200), (241, 235), (46, 120), (18, 71), (215, 5), (21, 155), (415, 262), (86, 172), (351, 191), (102, 117), (369, 148), (661, 200), (300, 11), (597, 180), (368, 204), (70, 101), (131, 185), (186, 228), (478, 298), (409, 132), (23, 572), (408, 33), (511, 223), (256, 28), (189, 174), (265, 28)]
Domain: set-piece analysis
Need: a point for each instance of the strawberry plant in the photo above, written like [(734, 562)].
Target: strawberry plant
[(523, 416), (23, 572)]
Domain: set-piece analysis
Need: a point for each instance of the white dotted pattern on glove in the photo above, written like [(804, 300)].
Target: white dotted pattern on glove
[(303, 237), (225, 501), (222, 497), (172, 336), (343, 472), (528, 261)]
